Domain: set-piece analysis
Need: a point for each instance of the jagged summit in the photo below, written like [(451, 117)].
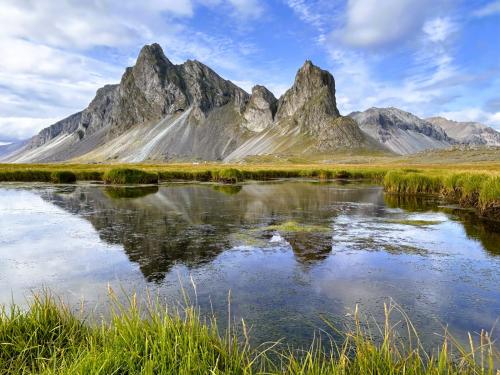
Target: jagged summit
[(164, 111), (312, 86)]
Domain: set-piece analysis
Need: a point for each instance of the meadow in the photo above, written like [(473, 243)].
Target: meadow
[(475, 185), (149, 338)]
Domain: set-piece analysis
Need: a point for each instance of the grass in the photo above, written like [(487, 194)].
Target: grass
[(125, 176), (472, 185), (48, 338), (479, 190), (62, 177)]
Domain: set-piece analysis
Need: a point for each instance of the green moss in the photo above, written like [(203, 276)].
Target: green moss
[(122, 176), (293, 226)]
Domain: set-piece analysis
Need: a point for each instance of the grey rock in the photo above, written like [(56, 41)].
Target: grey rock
[(468, 133), (260, 110), (162, 111), (400, 131)]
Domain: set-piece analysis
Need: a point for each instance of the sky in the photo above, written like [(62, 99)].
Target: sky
[(428, 57)]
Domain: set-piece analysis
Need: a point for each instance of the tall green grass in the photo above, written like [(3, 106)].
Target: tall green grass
[(478, 190), (129, 176), (48, 338)]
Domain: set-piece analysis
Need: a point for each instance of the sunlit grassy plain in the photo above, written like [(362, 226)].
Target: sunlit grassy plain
[(475, 184), (148, 338)]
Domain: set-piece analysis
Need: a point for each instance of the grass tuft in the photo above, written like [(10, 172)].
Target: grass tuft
[(123, 176), (62, 177), (47, 338)]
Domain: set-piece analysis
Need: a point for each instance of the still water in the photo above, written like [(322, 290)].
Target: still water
[(291, 253)]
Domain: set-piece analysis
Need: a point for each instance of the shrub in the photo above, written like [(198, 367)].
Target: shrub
[(62, 177), (122, 176)]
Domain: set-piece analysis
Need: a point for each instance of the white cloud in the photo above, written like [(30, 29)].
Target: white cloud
[(439, 29), (56, 54), (372, 23), (247, 8), (488, 10), (22, 127), (474, 114)]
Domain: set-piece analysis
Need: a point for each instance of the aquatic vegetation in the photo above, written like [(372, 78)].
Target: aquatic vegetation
[(293, 226), (129, 176), (25, 175), (227, 175), (151, 338), (479, 190), (62, 177)]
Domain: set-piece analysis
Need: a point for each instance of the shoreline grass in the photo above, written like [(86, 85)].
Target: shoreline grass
[(48, 338), (476, 186)]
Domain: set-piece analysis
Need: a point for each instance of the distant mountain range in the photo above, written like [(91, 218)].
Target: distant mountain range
[(160, 111)]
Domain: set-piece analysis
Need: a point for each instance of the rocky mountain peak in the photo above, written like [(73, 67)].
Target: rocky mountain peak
[(313, 86), (260, 109), (153, 55)]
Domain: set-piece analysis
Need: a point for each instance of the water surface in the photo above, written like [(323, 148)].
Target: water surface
[(342, 245)]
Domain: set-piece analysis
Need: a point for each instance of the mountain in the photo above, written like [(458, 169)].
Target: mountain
[(400, 131), (162, 111), (470, 133)]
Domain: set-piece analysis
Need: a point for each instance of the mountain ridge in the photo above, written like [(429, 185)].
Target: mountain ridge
[(160, 111)]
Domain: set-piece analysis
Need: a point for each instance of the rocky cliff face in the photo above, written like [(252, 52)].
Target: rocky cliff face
[(260, 110), (469, 133), (400, 131), (163, 111)]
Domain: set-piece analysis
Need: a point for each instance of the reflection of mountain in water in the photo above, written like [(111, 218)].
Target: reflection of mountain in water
[(192, 224)]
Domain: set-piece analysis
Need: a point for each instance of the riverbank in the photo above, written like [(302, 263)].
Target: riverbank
[(470, 185), (150, 338)]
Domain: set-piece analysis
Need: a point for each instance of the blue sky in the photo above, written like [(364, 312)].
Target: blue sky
[(430, 57)]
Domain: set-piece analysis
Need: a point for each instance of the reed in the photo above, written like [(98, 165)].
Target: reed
[(149, 338), (122, 176)]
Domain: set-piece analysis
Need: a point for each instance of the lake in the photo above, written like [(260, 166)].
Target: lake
[(291, 253)]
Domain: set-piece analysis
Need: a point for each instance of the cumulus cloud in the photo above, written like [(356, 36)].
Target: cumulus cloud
[(22, 127), (56, 54), (374, 23)]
